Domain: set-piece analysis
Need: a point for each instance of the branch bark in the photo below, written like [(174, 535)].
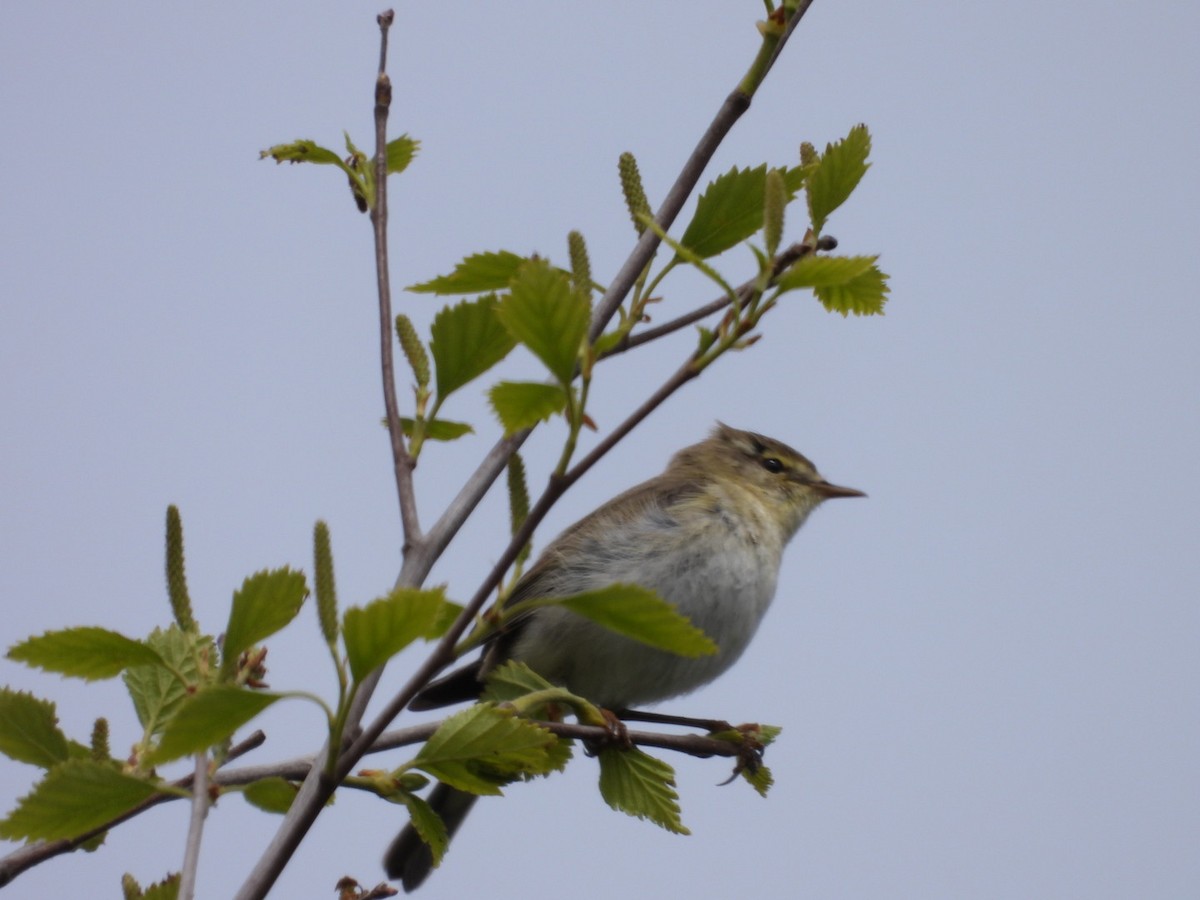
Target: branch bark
[(191, 855), (402, 463)]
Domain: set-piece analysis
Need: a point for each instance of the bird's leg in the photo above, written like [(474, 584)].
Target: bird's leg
[(616, 734), (616, 729), (641, 715)]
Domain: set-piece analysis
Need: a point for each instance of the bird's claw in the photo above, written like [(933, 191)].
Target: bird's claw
[(615, 734), (750, 751)]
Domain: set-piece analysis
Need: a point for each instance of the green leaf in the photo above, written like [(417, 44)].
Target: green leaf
[(303, 151), (207, 718), (155, 690), (468, 339), (446, 616), (29, 731), (732, 208), (511, 680), (824, 271), (90, 653), (476, 274), (728, 212), (484, 747), (759, 778), (841, 168), (74, 798), (266, 602), (795, 177), (167, 889), (639, 784), (768, 733), (429, 825), (863, 295), (544, 314), (522, 404), (375, 633), (273, 795), (400, 153), (643, 615), (359, 161), (438, 429)]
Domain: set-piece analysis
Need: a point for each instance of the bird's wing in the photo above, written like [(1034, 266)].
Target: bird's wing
[(466, 683)]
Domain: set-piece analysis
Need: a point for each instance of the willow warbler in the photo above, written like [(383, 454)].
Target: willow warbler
[(707, 534)]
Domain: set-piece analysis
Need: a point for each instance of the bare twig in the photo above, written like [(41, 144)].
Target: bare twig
[(419, 562), (402, 462), (200, 802)]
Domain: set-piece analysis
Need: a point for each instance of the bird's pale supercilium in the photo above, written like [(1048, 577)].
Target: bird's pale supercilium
[(707, 534)]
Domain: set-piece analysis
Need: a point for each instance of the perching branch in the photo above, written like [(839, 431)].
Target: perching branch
[(299, 768)]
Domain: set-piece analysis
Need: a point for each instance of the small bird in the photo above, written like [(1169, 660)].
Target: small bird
[(707, 534)]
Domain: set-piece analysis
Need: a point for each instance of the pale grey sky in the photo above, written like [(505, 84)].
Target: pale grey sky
[(987, 673)]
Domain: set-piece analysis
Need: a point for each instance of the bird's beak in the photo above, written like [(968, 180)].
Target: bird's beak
[(828, 490)]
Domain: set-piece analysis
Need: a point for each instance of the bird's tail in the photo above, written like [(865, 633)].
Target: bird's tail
[(409, 858)]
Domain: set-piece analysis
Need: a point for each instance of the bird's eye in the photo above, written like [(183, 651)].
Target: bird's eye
[(772, 464)]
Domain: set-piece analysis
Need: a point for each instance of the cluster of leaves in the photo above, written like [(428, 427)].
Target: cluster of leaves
[(526, 300), (548, 310), (192, 693), (359, 168)]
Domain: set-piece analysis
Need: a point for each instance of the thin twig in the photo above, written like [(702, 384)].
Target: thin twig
[(191, 855), (318, 785), (782, 262), (419, 562), (402, 463)]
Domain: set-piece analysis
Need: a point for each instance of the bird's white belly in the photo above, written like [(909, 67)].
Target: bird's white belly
[(725, 595)]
